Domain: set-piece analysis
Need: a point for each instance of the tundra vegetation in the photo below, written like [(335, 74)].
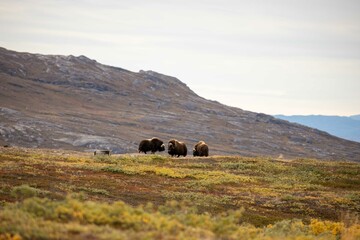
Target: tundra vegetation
[(53, 194)]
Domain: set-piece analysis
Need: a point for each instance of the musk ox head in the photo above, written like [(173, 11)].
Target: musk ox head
[(161, 148), (172, 146)]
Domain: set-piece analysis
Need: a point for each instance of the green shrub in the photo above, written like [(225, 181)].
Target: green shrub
[(24, 191)]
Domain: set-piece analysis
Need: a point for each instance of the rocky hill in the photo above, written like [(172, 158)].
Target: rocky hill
[(54, 101)]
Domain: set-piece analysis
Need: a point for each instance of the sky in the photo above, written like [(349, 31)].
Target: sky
[(271, 56)]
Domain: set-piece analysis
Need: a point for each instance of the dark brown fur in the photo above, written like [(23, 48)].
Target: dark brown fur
[(177, 148), (151, 145), (201, 149)]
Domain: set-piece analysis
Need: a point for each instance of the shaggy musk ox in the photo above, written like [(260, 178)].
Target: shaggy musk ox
[(177, 148), (153, 145), (201, 149)]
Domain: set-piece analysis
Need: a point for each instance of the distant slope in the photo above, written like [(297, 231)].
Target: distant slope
[(344, 127), (355, 117), (69, 102)]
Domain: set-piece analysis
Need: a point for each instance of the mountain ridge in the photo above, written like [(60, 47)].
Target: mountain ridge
[(69, 102)]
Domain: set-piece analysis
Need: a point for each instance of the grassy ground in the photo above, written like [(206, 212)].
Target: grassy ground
[(54, 194)]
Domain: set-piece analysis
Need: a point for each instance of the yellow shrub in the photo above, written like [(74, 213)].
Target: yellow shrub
[(317, 227), (8, 236), (168, 172)]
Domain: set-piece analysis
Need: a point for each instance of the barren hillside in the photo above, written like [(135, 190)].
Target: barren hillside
[(69, 102)]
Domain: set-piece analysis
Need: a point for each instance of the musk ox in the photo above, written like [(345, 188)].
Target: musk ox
[(177, 148), (201, 149), (153, 145)]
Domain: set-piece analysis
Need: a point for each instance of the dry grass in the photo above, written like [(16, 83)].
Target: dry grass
[(47, 194)]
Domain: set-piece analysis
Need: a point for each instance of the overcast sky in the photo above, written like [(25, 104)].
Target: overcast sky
[(270, 56)]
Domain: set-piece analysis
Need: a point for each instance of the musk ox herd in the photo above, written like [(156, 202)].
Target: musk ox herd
[(175, 147)]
